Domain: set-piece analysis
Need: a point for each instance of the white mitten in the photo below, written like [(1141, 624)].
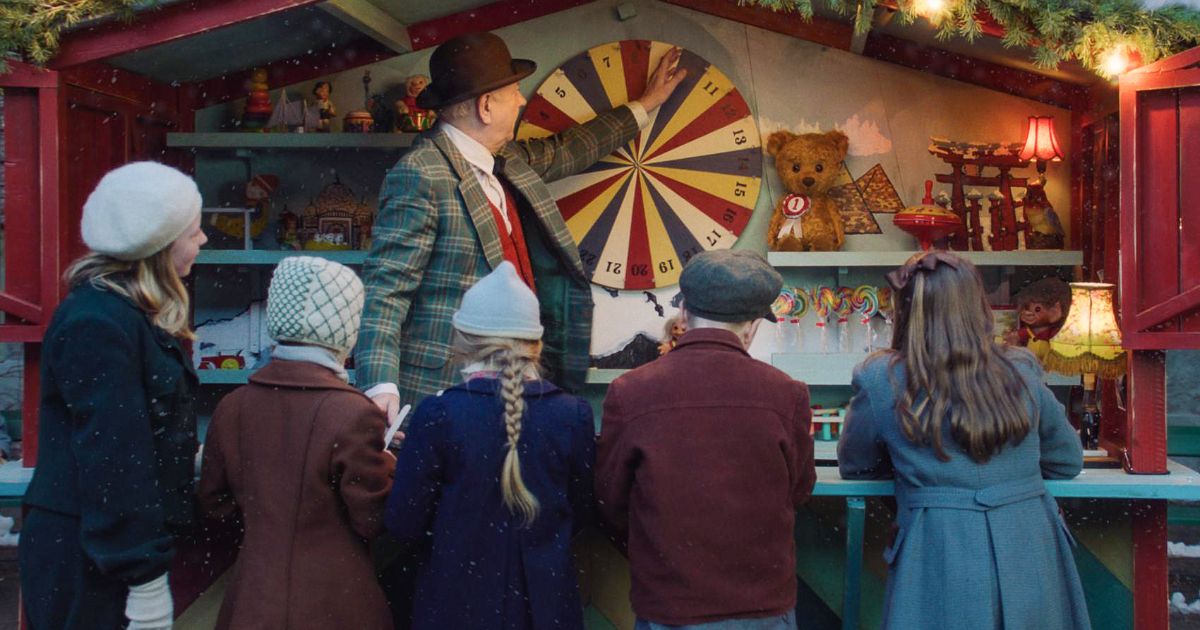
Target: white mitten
[(149, 606)]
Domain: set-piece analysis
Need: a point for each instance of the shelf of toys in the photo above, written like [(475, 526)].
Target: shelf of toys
[(307, 179), (288, 141), (1030, 258), (273, 256)]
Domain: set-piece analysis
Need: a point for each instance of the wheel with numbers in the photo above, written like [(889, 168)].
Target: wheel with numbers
[(687, 183)]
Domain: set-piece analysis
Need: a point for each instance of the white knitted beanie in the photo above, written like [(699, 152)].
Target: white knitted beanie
[(138, 210), (314, 301), (500, 305)]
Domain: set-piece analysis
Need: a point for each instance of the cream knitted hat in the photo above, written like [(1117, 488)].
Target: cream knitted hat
[(138, 210), (315, 301), (500, 305)]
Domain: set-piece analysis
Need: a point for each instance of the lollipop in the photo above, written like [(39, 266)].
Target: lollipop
[(785, 303), (783, 306), (801, 307), (825, 301), (843, 307), (866, 304), (886, 306), (885, 303)]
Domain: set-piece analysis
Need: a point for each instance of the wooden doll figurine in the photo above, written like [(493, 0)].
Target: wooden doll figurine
[(328, 112)]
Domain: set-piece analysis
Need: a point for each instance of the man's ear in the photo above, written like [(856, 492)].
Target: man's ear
[(749, 333), (483, 108)]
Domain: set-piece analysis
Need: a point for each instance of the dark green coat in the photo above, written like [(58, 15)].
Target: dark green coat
[(116, 449)]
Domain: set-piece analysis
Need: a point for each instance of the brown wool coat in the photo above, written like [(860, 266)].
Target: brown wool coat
[(300, 454)]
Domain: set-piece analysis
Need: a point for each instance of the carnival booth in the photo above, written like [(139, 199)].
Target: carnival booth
[(1067, 181)]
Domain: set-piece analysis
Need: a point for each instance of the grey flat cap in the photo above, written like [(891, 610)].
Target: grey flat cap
[(728, 285)]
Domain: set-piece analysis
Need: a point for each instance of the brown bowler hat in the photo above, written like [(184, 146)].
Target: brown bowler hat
[(468, 66)]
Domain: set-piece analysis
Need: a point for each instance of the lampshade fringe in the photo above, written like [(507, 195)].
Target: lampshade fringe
[(1084, 364)]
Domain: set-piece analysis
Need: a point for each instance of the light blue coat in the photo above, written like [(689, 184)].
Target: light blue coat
[(979, 545)]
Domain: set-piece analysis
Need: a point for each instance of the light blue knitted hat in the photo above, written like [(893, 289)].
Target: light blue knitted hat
[(500, 305)]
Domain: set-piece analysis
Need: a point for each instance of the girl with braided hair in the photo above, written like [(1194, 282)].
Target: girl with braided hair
[(495, 476)]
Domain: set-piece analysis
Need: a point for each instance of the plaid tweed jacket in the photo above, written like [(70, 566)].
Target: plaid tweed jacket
[(435, 236)]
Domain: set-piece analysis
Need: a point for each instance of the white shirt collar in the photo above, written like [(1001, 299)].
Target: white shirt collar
[(470, 148)]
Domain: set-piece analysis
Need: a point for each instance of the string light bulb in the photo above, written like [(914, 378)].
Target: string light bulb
[(1119, 60), (930, 8)]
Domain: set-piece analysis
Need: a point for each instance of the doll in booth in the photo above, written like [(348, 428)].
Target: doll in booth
[(1041, 309), (409, 116), (289, 230), (672, 331), (322, 91)]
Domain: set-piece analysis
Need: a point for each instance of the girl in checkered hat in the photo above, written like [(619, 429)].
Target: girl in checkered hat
[(495, 476), (299, 453)]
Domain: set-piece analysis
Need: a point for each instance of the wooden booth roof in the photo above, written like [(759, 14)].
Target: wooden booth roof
[(212, 43)]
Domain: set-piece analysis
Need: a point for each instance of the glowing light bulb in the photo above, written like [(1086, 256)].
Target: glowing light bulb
[(930, 8), (1115, 62)]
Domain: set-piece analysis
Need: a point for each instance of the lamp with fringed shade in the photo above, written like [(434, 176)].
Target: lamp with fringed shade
[(1040, 142), (1089, 344), (1090, 340)]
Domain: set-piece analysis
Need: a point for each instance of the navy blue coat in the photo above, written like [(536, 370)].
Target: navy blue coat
[(979, 545), (115, 473), (480, 568)]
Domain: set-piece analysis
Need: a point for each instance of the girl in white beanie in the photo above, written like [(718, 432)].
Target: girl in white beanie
[(117, 430), (495, 476)]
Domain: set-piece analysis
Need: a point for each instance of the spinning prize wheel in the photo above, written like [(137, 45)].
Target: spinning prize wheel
[(686, 184)]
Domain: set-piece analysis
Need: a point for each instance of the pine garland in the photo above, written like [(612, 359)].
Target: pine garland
[(1055, 30), (30, 29)]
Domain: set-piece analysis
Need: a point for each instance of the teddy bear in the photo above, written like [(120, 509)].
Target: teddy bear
[(807, 218)]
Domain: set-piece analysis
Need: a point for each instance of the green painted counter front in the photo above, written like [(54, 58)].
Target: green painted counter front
[(842, 531)]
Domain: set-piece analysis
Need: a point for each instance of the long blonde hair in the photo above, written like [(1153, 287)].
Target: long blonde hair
[(513, 358), (151, 283), (956, 372)]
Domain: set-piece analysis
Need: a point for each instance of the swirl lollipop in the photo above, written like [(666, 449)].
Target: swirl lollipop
[(886, 308), (799, 310), (844, 306), (866, 304), (824, 302), (785, 303), (886, 296), (782, 307), (801, 307)]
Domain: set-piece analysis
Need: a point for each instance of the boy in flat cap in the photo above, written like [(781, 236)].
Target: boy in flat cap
[(703, 456)]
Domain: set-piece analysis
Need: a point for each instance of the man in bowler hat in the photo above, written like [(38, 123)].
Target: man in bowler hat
[(704, 456), (465, 198)]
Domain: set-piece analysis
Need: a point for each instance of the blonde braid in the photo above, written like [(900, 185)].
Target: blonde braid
[(517, 497)]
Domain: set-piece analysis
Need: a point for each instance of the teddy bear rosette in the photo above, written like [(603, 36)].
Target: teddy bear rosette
[(807, 217)]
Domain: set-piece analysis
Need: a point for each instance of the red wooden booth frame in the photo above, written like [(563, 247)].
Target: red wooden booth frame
[(33, 203), (56, 152)]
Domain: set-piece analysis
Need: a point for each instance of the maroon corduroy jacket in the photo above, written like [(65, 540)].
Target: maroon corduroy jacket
[(703, 456)]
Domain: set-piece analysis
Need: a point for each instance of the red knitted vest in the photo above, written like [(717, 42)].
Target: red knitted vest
[(515, 250)]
